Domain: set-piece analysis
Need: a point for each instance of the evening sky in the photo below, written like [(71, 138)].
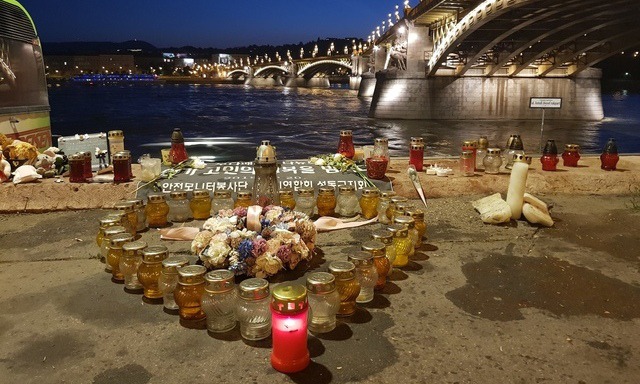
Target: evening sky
[(206, 23)]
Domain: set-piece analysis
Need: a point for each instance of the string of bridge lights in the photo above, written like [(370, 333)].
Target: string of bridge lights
[(392, 18), (356, 48)]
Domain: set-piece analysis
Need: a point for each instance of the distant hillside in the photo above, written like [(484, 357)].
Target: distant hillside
[(96, 48)]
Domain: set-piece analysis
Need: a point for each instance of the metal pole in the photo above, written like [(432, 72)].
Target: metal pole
[(541, 130)]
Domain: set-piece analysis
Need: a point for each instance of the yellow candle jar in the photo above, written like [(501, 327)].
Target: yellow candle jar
[(391, 209), (129, 264), (115, 253), (200, 204), (383, 204), (157, 211), (421, 226), (243, 199), (326, 201), (188, 293), (410, 224), (106, 243), (286, 198), (369, 202), (105, 222), (347, 285), (386, 237), (150, 270), (378, 250), (401, 243), (129, 208)]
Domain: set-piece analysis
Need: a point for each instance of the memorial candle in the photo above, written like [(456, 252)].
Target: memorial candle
[(289, 309)]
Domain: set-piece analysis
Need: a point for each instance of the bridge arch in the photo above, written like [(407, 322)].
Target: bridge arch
[(322, 66), (540, 36), (270, 70), (237, 73)]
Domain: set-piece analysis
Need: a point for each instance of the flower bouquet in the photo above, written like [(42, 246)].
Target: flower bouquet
[(341, 163), (285, 238)]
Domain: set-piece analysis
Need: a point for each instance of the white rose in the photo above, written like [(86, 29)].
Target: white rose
[(337, 157), (319, 162)]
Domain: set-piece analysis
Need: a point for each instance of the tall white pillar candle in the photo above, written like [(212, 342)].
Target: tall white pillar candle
[(517, 183)]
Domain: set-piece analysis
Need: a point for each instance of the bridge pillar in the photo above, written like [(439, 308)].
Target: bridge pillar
[(419, 48)]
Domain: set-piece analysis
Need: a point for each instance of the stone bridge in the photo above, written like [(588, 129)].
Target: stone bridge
[(485, 59), (309, 72)]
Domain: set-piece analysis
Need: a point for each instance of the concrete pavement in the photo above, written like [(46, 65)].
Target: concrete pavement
[(478, 304)]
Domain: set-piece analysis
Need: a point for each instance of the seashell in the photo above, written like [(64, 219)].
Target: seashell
[(536, 216)]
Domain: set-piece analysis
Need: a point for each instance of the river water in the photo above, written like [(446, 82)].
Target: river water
[(227, 122)]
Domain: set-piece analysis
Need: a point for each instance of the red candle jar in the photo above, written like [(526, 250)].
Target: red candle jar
[(178, 152), (416, 156), (609, 157), (549, 158), (345, 146), (88, 172), (471, 145), (571, 155), (76, 168), (121, 168), (376, 167), (467, 163), (289, 310)]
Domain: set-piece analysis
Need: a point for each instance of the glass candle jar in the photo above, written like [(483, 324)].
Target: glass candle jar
[(141, 221), (481, 152), (179, 210), (386, 237), (402, 244), (128, 207), (252, 310), (76, 168), (168, 280), (104, 223), (376, 167), (121, 172), (219, 300), (369, 202), (157, 211), (383, 205), (150, 269), (366, 274), (87, 171), (106, 243), (391, 209), (324, 302), (345, 146), (549, 158), (516, 147), (189, 292), (326, 201), (492, 161), (400, 209), (571, 155), (286, 199), (243, 199), (467, 163), (130, 262), (306, 201), (416, 156), (222, 200), (410, 224), (115, 253), (472, 146), (609, 157), (289, 309), (347, 286), (347, 201), (377, 249), (381, 148), (116, 143), (420, 225), (200, 205)]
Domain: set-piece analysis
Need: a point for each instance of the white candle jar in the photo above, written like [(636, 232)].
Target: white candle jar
[(253, 309), (324, 302)]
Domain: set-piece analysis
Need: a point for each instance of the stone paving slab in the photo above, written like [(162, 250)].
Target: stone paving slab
[(478, 303)]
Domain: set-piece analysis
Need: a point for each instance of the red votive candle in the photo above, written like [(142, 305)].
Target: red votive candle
[(121, 170), (76, 168), (376, 167), (87, 171), (345, 146), (609, 157), (289, 309), (571, 155), (416, 156)]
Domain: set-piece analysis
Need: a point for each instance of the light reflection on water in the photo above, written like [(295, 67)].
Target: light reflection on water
[(231, 120)]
